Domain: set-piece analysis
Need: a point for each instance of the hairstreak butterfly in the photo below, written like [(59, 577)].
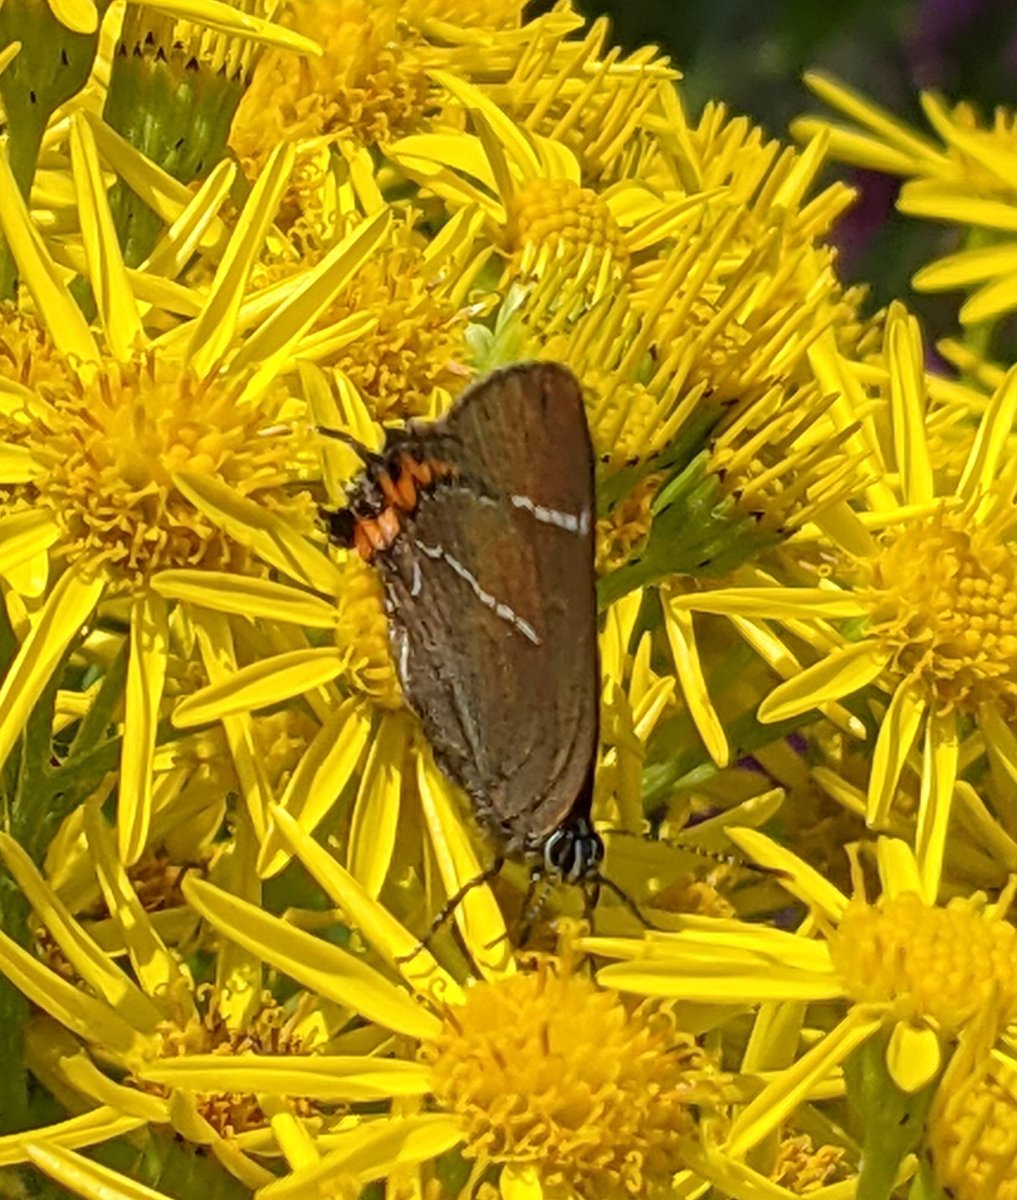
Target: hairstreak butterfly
[(481, 527)]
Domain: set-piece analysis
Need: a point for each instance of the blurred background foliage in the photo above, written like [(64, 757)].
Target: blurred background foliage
[(752, 55)]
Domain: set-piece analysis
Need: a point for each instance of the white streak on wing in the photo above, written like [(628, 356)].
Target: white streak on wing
[(499, 608), (552, 516), (417, 581)]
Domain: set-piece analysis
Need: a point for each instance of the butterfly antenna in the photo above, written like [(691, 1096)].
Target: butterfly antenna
[(725, 860), (358, 447)]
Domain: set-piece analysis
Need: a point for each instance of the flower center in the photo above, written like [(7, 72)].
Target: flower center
[(971, 1134), (944, 602), (271, 1031), (946, 965), (548, 1070), (362, 632), (561, 218), (626, 526), (370, 83), (418, 343), (105, 452)]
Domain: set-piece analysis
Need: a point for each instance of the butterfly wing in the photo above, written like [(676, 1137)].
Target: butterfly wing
[(493, 606)]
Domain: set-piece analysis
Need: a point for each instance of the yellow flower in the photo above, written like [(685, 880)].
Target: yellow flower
[(155, 1015), (539, 213), (539, 1072), (921, 972), (925, 577), (965, 178), (131, 461), (972, 1132), (396, 336)]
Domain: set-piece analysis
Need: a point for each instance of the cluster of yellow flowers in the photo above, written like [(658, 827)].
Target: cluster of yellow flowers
[(226, 225)]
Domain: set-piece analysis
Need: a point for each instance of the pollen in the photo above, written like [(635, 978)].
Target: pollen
[(557, 217), (369, 85), (272, 1030), (28, 359), (362, 632), (802, 1168), (944, 599), (972, 1134), (544, 1069), (945, 965), (625, 528), (104, 452), (419, 340)]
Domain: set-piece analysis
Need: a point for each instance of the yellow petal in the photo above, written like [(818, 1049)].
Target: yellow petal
[(79, 16), (227, 18), (772, 650), (681, 637), (39, 273), (913, 1057), (85, 1177), (838, 675), (96, 969), (887, 127), (989, 446), (898, 870), (260, 685), (213, 332), (272, 346), (993, 300), (318, 965), (774, 602), (118, 310), (849, 146), (515, 139), (802, 880), (322, 775), (775, 1103), (965, 268), (245, 596), (945, 202), (166, 196), (155, 967), (91, 1019), (740, 984), (89, 1129), (395, 943), (939, 775), (146, 675), (180, 242), (272, 538), (68, 606), (23, 535), (371, 1152), (355, 1079), (375, 821), (477, 914), (907, 404), (17, 465), (896, 737)]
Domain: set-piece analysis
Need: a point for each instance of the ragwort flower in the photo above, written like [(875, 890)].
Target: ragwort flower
[(106, 458), (966, 178), (926, 581), (920, 972)]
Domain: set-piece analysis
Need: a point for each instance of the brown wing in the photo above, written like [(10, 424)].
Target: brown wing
[(494, 607)]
